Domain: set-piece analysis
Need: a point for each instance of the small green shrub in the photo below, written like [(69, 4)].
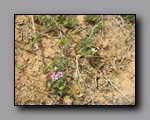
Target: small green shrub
[(47, 22), (130, 18), (69, 21), (57, 85), (92, 19)]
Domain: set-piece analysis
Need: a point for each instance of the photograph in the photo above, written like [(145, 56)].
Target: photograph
[(74, 59)]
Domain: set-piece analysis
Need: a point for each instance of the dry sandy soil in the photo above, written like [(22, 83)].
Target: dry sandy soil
[(113, 85)]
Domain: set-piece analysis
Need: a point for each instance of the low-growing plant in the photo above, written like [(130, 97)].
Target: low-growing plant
[(92, 19), (96, 21), (88, 30), (44, 69), (61, 18), (57, 85), (61, 63), (129, 18), (86, 48), (69, 21), (57, 64), (99, 26), (47, 22), (63, 41)]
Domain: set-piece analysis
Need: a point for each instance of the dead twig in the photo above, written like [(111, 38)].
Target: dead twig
[(77, 73), (120, 19), (36, 44), (92, 32), (103, 35), (96, 85), (113, 85), (86, 102), (27, 31)]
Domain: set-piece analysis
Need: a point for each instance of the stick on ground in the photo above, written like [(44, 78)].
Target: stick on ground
[(36, 44)]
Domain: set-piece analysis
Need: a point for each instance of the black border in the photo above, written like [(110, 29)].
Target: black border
[(137, 77)]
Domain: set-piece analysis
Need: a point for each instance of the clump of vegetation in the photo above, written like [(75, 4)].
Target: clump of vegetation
[(92, 19), (95, 20), (69, 21), (57, 80), (57, 85), (48, 22), (129, 18), (60, 63), (86, 47)]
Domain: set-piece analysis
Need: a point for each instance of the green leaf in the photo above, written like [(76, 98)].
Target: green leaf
[(52, 64), (67, 97), (57, 24), (130, 25), (52, 95), (30, 31), (61, 93), (60, 83), (79, 55), (43, 17), (36, 39), (49, 84), (61, 88), (62, 42)]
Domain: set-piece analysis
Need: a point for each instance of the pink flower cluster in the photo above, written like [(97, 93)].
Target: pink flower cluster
[(56, 76)]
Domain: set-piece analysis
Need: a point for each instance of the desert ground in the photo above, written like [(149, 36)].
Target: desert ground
[(95, 55)]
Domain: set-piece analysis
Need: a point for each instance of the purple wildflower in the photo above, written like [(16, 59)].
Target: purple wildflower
[(57, 76), (60, 74), (53, 76)]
